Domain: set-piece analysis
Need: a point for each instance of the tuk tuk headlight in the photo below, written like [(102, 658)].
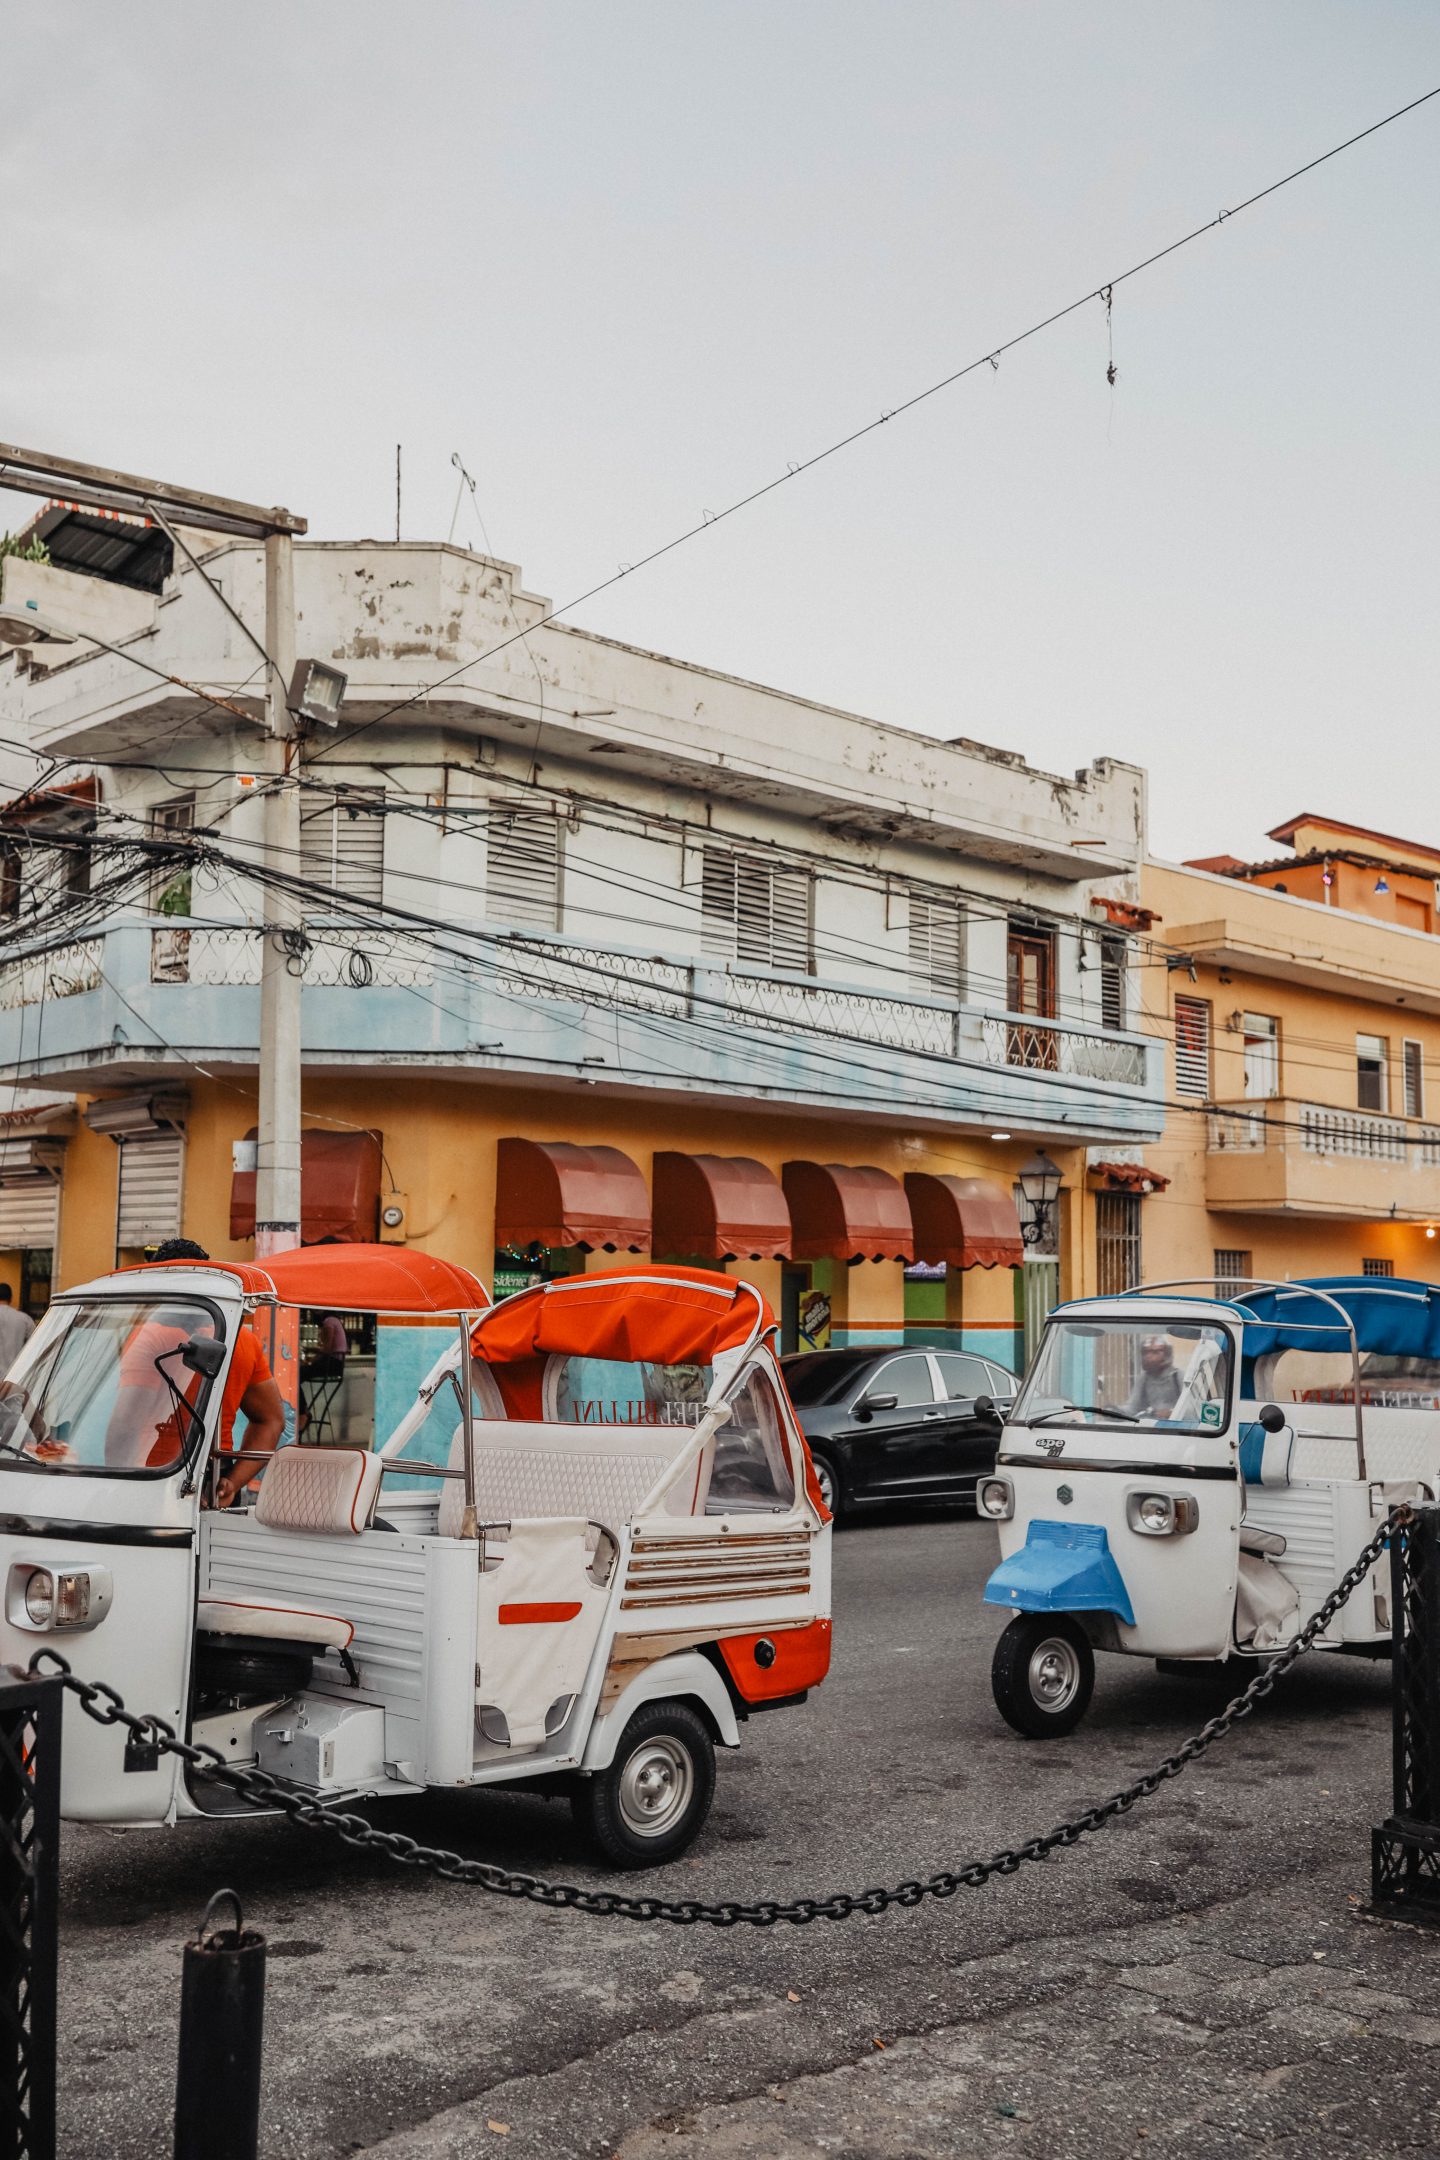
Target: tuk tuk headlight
[(996, 1498), (1158, 1514), (51, 1598)]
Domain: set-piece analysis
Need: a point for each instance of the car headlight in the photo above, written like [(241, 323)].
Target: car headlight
[(42, 1597), (1158, 1514), (996, 1498)]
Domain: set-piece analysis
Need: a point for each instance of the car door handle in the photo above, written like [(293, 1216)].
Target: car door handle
[(933, 1414)]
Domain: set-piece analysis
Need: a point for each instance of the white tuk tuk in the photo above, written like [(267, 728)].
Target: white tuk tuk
[(583, 1548), (1187, 1478)]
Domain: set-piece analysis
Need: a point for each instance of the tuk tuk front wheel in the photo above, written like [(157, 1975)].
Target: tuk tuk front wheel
[(1043, 1674), (653, 1799)]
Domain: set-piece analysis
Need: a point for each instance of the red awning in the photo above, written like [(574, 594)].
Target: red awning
[(339, 1188), (719, 1207), (847, 1212), (1128, 1177), (551, 1192), (964, 1221)]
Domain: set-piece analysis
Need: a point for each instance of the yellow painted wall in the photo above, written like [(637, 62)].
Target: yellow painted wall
[(1318, 1028)]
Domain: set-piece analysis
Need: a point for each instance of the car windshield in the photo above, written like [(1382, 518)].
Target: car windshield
[(820, 1376), (1129, 1372), (105, 1387)]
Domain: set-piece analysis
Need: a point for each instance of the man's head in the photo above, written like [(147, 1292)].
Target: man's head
[(7, 1295), (1156, 1354), (180, 1248)]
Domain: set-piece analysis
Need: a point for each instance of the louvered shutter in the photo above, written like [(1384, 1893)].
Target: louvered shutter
[(756, 912), (1192, 1047), (152, 1177), (936, 946), (522, 871), (29, 1214), (342, 844)]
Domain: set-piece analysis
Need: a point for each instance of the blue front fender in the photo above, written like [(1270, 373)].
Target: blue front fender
[(1062, 1567)]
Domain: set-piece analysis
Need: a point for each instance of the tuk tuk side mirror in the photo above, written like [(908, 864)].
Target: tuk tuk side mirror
[(203, 1355), (1272, 1417)]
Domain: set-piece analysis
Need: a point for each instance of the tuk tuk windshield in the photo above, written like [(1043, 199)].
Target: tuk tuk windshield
[(104, 1388), (1129, 1372)]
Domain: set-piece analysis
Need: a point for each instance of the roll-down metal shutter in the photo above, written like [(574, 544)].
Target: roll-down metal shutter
[(152, 1178), (29, 1214)]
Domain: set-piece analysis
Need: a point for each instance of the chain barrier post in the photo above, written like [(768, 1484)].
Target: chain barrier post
[(30, 1718), (1405, 1849), (222, 2014)]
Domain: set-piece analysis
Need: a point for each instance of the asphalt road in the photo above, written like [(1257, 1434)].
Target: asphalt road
[(1199, 1977)]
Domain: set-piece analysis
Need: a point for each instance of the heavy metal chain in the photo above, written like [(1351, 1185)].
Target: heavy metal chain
[(154, 1734)]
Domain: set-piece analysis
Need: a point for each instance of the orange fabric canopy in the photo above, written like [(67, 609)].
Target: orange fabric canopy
[(719, 1207), (551, 1192), (374, 1278), (847, 1212), (966, 1222), (664, 1315)]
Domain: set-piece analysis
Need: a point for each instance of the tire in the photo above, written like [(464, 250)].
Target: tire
[(233, 1666), (653, 1799), (1043, 1674), (827, 1477)]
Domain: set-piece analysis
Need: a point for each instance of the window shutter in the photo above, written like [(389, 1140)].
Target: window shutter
[(1192, 1047), (1414, 1078), (29, 1214), (152, 1176), (937, 953), (522, 871), (342, 844), (1114, 964), (755, 912)]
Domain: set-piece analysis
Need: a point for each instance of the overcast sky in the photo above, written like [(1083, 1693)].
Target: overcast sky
[(631, 260)]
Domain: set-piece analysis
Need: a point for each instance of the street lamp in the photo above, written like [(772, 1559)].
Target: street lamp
[(1039, 1182)]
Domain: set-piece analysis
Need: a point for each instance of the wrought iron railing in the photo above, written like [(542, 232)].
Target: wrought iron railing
[(1025, 1041), (57, 971)]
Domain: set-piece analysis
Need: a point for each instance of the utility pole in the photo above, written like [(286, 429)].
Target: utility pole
[(277, 1194), (277, 1160)]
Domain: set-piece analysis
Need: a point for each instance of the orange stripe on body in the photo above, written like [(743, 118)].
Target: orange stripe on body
[(526, 1615)]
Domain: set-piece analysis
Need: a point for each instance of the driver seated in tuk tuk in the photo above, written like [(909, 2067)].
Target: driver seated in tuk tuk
[(1157, 1390)]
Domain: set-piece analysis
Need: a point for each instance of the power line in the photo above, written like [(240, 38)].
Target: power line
[(990, 358)]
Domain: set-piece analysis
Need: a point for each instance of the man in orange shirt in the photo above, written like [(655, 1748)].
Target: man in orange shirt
[(250, 1386)]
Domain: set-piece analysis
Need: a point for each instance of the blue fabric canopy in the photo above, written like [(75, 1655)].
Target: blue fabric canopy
[(1392, 1317)]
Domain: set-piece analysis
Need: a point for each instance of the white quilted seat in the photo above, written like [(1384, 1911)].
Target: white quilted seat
[(557, 1471), (271, 1621), (315, 1491)]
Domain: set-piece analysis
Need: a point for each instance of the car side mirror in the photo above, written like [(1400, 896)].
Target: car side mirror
[(869, 1404), (203, 1355), (984, 1406), (1272, 1417)]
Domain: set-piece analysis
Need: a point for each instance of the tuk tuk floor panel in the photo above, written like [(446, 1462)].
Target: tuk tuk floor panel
[(1200, 1971)]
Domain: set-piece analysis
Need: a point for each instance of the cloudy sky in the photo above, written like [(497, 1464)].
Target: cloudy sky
[(632, 260)]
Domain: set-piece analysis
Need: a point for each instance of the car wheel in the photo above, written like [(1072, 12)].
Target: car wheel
[(827, 1477), (653, 1799), (1043, 1674)]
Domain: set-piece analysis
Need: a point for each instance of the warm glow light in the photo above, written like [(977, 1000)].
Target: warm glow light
[(1430, 1229), (1006, 1136)]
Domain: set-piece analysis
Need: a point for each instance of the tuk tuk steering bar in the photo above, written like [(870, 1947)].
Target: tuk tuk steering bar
[(154, 1734)]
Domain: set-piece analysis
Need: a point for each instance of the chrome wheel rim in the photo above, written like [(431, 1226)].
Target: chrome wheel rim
[(824, 1478), (655, 1786), (1054, 1673)]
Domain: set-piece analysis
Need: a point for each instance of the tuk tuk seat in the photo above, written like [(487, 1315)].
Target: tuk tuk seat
[(535, 1471), (267, 1621), (330, 1492)]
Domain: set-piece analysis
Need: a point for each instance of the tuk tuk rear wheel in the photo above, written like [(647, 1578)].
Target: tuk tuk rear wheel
[(652, 1800), (1043, 1674)]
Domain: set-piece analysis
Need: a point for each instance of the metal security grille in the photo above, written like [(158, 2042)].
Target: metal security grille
[(1117, 1242), (1377, 1267), (29, 1213), (1114, 969), (1192, 1047), (29, 1900), (151, 1186), (1232, 1267), (342, 843), (937, 946), (755, 912), (522, 870)]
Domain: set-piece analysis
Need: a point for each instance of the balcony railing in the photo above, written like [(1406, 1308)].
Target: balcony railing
[(1317, 1129)]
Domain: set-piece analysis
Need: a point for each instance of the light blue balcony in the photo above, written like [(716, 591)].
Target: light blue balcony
[(141, 999)]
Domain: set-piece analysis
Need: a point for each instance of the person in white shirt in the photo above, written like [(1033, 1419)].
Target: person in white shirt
[(16, 1328)]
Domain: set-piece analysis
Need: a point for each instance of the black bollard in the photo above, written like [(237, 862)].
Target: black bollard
[(222, 2012)]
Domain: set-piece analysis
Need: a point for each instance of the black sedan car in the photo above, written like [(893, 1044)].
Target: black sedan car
[(887, 1425)]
